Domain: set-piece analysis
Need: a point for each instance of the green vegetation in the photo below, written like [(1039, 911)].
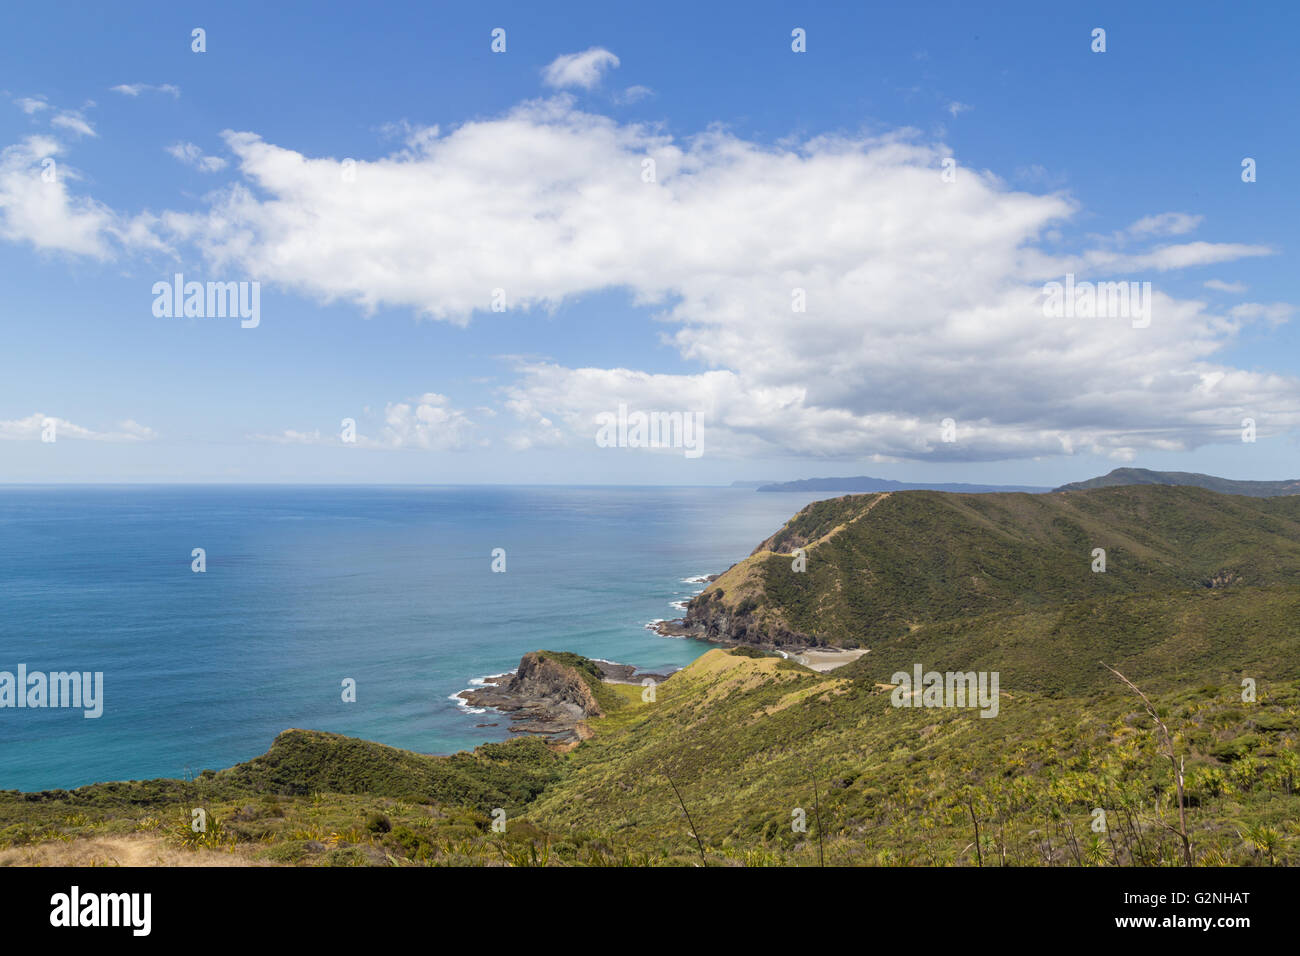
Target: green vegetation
[(746, 736), (879, 566), (746, 740), (777, 764), (1226, 486)]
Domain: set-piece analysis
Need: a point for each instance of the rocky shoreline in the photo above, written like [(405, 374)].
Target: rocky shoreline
[(551, 695), (821, 658), (702, 622), (548, 697)]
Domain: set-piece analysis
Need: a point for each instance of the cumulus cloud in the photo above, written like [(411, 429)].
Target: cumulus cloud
[(923, 297), (429, 422), (34, 426), (579, 69), (31, 104), (40, 210), (956, 108), (36, 206), (1219, 285), (191, 155)]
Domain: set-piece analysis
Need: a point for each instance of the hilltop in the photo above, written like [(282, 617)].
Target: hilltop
[(864, 484), (1009, 578), (1227, 486)]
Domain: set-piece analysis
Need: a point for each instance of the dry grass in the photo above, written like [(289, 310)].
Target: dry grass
[(135, 850)]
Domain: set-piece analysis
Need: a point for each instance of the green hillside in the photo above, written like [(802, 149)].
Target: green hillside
[(748, 741), (878, 567), (746, 744), (748, 758)]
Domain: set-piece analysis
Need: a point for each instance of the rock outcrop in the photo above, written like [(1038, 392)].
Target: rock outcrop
[(544, 696)]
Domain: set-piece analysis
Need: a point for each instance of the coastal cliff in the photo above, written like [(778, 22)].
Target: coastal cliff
[(890, 569), (553, 693)]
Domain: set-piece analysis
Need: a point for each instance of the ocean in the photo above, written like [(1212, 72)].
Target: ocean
[(308, 586)]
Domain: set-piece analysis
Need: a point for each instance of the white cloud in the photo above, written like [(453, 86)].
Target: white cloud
[(30, 105), (538, 431), (135, 89), (40, 209), (634, 94), (1166, 258), (1218, 285), (956, 108), (429, 422), (43, 212), (191, 155), (924, 297), (1165, 224), (1274, 313), (74, 122), (35, 425), (579, 69), (291, 437), (137, 431)]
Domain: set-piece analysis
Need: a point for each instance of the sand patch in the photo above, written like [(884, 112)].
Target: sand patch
[(136, 850), (821, 660)]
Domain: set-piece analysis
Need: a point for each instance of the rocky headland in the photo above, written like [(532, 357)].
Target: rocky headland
[(553, 694)]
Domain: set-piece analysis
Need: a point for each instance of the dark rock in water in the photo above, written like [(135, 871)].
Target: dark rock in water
[(551, 694), (679, 628)]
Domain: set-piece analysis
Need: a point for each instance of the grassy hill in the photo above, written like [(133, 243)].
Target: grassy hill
[(749, 741), (747, 758), (747, 744), (880, 567), (1227, 486)]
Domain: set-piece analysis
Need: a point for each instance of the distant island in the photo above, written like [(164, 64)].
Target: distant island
[(863, 483), (1226, 486)]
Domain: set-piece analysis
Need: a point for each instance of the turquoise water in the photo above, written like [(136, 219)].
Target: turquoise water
[(306, 586)]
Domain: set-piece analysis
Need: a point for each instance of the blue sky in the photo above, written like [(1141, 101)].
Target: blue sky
[(818, 170)]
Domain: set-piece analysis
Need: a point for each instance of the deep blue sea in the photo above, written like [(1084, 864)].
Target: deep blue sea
[(306, 586)]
